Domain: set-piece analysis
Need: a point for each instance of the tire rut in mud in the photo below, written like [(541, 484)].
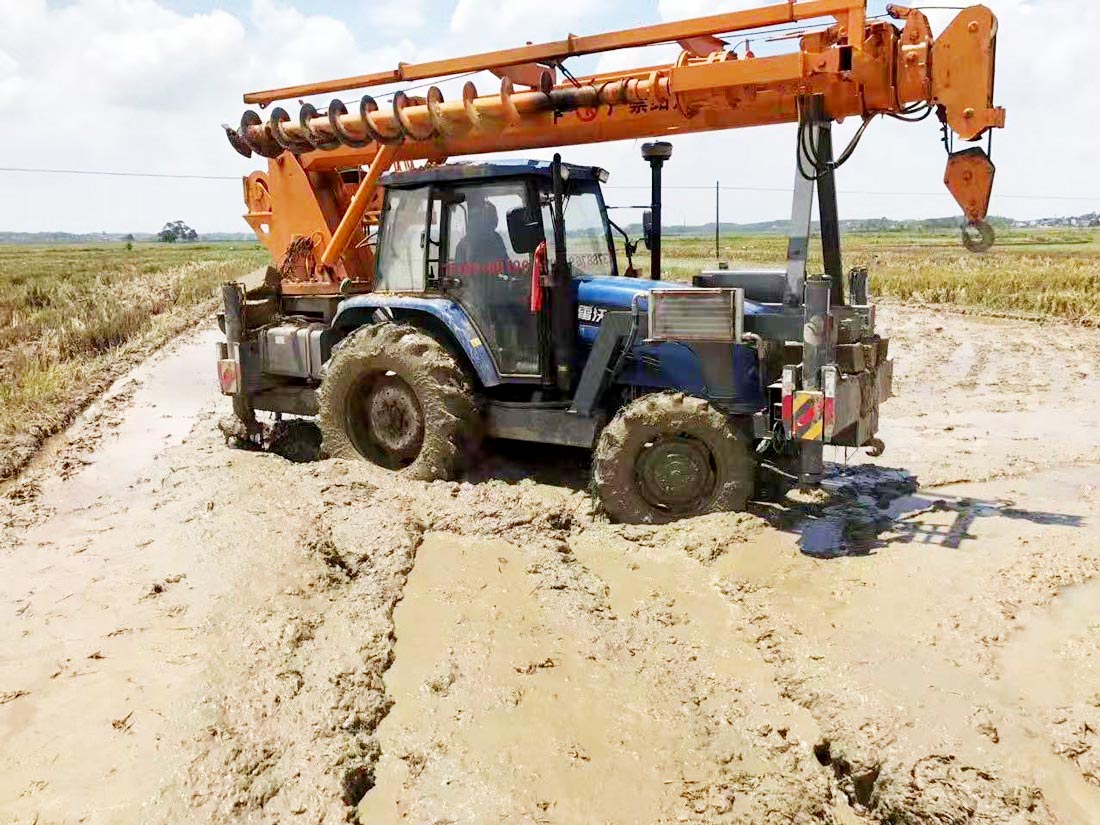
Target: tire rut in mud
[(758, 763), (293, 726)]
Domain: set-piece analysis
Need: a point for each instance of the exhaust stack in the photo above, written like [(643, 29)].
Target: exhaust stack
[(656, 152)]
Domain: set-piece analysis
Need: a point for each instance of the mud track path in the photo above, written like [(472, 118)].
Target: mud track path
[(195, 634)]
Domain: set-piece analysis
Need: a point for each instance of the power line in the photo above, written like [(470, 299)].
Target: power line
[(866, 192), (176, 176), (116, 174)]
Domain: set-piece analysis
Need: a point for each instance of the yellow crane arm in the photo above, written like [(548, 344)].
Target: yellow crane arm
[(849, 13)]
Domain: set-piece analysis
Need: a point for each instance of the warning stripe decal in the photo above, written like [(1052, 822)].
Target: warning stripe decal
[(808, 416)]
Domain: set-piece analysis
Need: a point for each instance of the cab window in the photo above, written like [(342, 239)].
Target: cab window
[(586, 244), (477, 234), (401, 245), (488, 276)]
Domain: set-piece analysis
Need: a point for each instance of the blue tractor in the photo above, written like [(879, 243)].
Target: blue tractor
[(500, 308)]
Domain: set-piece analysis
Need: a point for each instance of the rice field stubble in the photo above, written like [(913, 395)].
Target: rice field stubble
[(1032, 272), (74, 318)]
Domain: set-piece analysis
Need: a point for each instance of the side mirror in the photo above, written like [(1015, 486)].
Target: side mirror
[(647, 228), (524, 234)]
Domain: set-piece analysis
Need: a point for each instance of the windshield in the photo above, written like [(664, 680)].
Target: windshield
[(585, 233)]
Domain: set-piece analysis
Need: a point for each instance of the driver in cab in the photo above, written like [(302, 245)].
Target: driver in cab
[(489, 275)]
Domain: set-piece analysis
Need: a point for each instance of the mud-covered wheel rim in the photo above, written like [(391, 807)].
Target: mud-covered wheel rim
[(394, 395), (676, 473), (669, 455), (385, 420)]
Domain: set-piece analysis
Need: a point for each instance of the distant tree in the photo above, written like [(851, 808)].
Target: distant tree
[(129, 242), (177, 231)]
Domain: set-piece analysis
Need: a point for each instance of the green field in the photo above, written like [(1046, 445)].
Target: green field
[(1031, 272), (73, 318)]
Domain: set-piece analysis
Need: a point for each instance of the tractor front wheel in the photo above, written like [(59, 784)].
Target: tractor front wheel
[(669, 456), (395, 396)]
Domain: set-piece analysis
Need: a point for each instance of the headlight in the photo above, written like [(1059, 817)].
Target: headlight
[(696, 315)]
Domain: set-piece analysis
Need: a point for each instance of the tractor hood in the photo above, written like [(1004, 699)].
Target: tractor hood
[(607, 292), (662, 365)]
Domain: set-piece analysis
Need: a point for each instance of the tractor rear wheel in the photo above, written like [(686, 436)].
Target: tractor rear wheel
[(669, 456), (395, 396)]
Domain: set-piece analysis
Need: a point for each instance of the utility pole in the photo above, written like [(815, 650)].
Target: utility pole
[(717, 224)]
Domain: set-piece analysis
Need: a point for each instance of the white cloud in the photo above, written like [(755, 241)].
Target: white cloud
[(408, 14), (8, 64), (681, 9), (132, 52), (133, 85), (510, 22)]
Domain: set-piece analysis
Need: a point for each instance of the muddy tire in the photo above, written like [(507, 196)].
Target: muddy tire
[(669, 456), (394, 395)]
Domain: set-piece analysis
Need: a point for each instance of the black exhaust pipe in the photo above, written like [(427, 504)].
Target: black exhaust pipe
[(656, 152)]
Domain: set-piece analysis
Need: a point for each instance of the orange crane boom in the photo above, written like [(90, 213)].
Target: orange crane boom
[(316, 186)]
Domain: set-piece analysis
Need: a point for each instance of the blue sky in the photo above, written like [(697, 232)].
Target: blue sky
[(142, 85)]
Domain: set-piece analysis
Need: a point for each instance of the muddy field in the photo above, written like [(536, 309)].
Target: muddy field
[(190, 633)]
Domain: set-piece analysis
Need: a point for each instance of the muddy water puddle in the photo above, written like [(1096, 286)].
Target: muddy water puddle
[(686, 596), (872, 507), (112, 443), (97, 645)]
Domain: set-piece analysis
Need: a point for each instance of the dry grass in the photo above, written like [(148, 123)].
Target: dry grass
[(74, 318), (1034, 272)]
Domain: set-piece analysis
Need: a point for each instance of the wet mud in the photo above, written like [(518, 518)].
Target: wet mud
[(193, 633)]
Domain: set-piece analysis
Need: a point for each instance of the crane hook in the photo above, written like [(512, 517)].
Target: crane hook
[(969, 178)]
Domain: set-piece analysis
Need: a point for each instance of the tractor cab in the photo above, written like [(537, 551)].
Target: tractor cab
[(481, 234)]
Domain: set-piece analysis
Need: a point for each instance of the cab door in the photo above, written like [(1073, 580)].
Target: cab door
[(400, 251), (487, 276)]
